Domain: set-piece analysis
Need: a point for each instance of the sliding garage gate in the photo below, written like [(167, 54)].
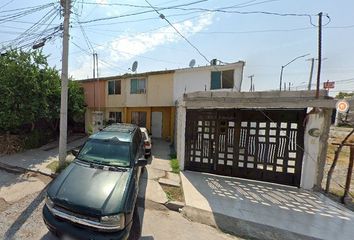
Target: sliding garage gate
[(264, 145)]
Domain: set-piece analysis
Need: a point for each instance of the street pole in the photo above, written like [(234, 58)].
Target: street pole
[(94, 76), (311, 73), (319, 54), (282, 69), (281, 77), (64, 85), (98, 82), (251, 86)]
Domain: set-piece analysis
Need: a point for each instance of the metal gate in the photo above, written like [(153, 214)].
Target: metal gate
[(264, 145)]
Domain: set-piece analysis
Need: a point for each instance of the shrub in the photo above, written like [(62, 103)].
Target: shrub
[(175, 165)]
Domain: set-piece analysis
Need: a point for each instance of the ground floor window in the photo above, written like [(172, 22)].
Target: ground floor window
[(139, 118), (115, 117)]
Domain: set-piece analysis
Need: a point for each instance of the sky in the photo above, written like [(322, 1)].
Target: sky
[(265, 42)]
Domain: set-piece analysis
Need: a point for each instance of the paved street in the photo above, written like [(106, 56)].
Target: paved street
[(22, 220), (22, 199)]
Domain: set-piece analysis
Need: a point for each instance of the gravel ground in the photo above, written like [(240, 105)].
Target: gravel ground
[(23, 219)]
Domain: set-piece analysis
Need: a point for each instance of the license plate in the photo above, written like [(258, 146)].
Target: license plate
[(66, 237)]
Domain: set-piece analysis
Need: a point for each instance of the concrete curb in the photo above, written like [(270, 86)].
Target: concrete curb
[(20, 170), (175, 206), (239, 227), (146, 203)]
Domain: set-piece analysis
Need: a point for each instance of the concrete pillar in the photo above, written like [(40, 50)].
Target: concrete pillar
[(327, 114), (180, 134), (315, 149)]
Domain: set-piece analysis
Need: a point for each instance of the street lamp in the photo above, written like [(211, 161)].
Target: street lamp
[(282, 69)]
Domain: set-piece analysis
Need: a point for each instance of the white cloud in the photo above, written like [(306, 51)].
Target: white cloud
[(130, 46), (101, 2)]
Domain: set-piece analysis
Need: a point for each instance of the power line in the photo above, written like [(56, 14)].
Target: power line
[(6, 4), (186, 39), (8, 17), (139, 13), (30, 34), (90, 54)]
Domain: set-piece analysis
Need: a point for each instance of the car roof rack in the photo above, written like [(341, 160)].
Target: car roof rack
[(120, 127)]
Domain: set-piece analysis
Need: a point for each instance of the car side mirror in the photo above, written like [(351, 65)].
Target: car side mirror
[(75, 152), (142, 162)]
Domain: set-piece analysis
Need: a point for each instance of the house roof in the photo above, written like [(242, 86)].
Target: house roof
[(146, 74)]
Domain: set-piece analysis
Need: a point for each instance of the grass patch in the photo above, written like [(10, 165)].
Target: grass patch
[(175, 165), (173, 193), (54, 166)]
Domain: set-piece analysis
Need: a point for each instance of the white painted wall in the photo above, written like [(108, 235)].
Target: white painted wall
[(198, 78), (311, 153)]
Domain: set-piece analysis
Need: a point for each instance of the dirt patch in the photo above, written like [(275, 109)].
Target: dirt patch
[(340, 172), (10, 144), (3, 205), (43, 178), (173, 193)]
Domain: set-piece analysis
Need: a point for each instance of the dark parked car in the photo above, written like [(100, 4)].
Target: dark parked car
[(95, 196)]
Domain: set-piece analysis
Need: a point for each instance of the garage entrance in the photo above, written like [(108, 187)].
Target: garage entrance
[(264, 145)]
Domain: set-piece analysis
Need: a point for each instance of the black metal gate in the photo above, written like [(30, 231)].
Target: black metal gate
[(262, 145)]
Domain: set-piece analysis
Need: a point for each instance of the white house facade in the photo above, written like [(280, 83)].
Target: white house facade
[(206, 78)]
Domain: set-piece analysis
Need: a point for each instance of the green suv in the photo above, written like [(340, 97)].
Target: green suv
[(95, 196)]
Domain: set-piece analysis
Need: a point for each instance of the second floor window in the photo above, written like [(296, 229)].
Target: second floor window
[(137, 86), (222, 79), (114, 87)]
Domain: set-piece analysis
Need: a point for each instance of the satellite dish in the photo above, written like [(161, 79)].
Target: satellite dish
[(134, 66), (192, 63)]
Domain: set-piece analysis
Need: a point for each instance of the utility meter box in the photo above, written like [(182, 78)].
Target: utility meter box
[(97, 121)]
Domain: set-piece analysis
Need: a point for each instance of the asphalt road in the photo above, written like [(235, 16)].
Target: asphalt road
[(22, 219)]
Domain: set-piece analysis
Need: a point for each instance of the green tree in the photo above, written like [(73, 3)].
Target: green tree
[(342, 95), (30, 91)]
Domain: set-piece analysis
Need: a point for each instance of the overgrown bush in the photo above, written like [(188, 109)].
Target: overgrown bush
[(37, 138)]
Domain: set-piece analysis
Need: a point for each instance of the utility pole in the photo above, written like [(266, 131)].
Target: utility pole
[(289, 85), (281, 77), (94, 76), (284, 86), (98, 83), (311, 73), (319, 54), (251, 86), (64, 85)]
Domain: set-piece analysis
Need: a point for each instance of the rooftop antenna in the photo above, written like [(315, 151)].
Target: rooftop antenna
[(134, 66), (192, 63)]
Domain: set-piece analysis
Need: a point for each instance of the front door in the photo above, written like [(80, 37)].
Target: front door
[(156, 124)]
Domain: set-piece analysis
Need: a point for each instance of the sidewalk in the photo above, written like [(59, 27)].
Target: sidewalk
[(38, 159), (157, 172), (262, 210)]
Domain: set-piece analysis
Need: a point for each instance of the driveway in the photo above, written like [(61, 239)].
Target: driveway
[(263, 210)]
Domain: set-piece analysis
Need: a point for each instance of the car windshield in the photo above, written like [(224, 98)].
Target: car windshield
[(108, 152)]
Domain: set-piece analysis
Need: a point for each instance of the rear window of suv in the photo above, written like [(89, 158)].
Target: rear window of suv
[(108, 152)]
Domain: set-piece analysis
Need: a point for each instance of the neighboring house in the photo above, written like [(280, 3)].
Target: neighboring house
[(207, 78), (144, 99), (148, 99)]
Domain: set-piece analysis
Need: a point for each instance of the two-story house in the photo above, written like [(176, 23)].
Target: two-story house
[(148, 99)]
